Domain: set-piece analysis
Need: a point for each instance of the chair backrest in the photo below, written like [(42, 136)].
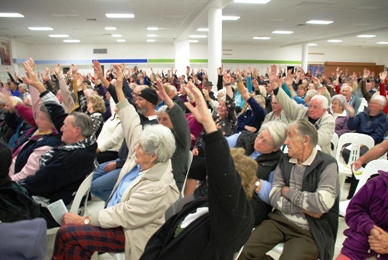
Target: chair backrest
[(334, 144), (356, 140), (187, 173), (83, 191), (371, 168)]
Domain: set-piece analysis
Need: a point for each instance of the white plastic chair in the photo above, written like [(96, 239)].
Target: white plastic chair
[(187, 173), (355, 139), (334, 143), (83, 191), (371, 168)]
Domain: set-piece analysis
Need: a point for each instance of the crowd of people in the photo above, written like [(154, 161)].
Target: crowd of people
[(262, 160)]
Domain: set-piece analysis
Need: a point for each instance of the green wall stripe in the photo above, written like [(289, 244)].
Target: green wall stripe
[(161, 60), (198, 60), (263, 61)]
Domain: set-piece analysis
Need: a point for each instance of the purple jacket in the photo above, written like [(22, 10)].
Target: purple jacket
[(341, 125), (367, 208)]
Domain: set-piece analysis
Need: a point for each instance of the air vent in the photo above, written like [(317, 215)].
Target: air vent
[(91, 19), (100, 51)]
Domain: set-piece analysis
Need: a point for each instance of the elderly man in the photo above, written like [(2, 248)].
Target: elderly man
[(354, 100), (63, 168), (316, 114), (305, 197), (142, 194)]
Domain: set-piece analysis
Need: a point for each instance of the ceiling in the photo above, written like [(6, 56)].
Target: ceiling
[(85, 20)]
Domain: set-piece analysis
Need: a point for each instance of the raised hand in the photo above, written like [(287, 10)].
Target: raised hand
[(383, 76), (163, 95), (97, 69), (57, 70), (33, 80), (73, 69), (366, 73)]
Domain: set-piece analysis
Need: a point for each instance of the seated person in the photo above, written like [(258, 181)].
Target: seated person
[(42, 138), (214, 227), (277, 113), (71, 162), (264, 148), (110, 139), (15, 204), (142, 194), (316, 113), (366, 218), (305, 197), (373, 122), (95, 108), (338, 104)]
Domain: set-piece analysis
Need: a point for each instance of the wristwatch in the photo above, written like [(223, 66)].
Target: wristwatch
[(87, 220)]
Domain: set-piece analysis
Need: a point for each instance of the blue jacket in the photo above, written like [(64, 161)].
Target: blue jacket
[(374, 126)]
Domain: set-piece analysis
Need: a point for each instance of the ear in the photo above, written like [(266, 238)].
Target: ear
[(306, 140)]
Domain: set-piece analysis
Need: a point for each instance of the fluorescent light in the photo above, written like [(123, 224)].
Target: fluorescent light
[(197, 36), (152, 28), (120, 15), (40, 28), (282, 32), (366, 36), (110, 28), (381, 42), (261, 2), (334, 41), (193, 41), (116, 35), (203, 29), (9, 15), (152, 35), (230, 18), (71, 41), (322, 22), (312, 44), (120, 40), (261, 38), (58, 35), (150, 40)]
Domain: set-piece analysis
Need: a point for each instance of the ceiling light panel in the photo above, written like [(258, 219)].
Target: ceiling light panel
[(120, 16), (261, 2), (40, 28), (11, 15), (230, 18), (282, 32), (319, 22)]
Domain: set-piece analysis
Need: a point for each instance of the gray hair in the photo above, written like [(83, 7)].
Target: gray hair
[(322, 99), (311, 93), (382, 100), (260, 100), (158, 140), (277, 130), (173, 88), (84, 122), (341, 99), (305, 128), (162, 109)]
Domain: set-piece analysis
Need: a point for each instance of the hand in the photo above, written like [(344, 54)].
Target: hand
[(32, 78), (195, 151), (350, 110), (378, 240), (57, 70), (366, 73), (258, 187), (97, 69), (163, 95), (201, 112), (383, 76), (238, 75), (72, 219), (110, 167), (119, 72), (284, 190), (250, 128), (220, 70), (206, 95), (227, 78), (73, 69), (356, 165)]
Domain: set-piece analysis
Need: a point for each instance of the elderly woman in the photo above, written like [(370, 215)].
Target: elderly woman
[(42, 137), (215, 226), (136, 206), (95, 108), (338, 103), (264, 148)]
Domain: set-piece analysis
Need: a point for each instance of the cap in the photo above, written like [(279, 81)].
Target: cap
[(150, 95)]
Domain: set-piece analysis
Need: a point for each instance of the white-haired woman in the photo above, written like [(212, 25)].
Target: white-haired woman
[(143, 192), (338, 103)]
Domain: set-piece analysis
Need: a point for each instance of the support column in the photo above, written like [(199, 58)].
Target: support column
[(214, 51), (305, 56), (182, 56)]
